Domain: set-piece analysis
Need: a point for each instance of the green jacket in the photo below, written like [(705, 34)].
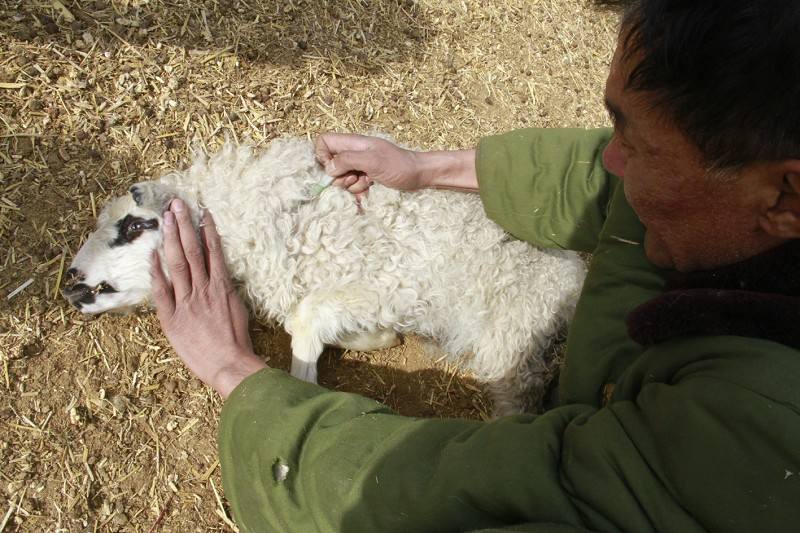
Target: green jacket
[(701, 432)]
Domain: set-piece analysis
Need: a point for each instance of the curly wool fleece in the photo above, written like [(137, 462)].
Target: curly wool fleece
[(427, 262)]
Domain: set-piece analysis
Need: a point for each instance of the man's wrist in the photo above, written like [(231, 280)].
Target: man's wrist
[(453, 169), (228, 377)]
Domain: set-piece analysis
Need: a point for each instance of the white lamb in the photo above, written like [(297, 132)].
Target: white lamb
[(426, 262)]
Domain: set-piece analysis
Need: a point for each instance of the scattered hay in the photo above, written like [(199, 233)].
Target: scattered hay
[(102, 428)]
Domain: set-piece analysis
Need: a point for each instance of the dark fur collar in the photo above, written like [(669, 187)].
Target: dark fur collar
[(759, 297)]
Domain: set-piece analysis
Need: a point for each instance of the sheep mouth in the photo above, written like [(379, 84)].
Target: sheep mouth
[(80, 294)]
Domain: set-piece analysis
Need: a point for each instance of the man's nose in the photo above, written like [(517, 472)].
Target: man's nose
[(613, 158)]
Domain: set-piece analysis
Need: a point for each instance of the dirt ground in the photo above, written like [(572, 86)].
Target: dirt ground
[(101, 428)]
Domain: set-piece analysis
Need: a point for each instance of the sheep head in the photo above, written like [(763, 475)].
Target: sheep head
[(111, 271)]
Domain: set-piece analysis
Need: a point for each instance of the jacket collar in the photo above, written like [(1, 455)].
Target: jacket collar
[(758, 297)]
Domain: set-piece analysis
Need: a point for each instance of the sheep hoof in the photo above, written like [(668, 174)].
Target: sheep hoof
[(304, 370)]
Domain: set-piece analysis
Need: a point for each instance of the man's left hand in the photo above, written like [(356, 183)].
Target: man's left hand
[(199, 310)]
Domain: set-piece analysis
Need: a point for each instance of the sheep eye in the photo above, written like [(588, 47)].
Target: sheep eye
[(131, 227), (140, 224)]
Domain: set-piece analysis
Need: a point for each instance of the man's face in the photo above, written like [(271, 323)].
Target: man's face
[(695, 219)]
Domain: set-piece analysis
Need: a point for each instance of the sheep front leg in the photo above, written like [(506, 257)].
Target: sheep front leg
[(306, 349), (338, 317)]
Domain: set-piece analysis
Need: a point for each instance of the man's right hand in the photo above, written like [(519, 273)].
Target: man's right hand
[(356, 161)]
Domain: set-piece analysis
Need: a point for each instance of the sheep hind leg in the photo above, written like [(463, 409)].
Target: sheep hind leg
[(369, 340), (520, 390)]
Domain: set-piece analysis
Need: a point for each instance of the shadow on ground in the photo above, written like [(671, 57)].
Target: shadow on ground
[(360, 34), (402, 378)]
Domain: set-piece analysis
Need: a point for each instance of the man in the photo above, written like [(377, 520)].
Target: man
[(680, 399)]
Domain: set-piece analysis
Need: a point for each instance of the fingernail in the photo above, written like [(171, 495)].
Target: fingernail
[(169, 218), (177, 205), (330, 166)]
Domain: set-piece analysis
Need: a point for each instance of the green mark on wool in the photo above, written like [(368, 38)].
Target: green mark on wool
[(323, 184)]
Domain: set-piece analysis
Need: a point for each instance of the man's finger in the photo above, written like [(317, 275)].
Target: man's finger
[(176, 261), (329, 144), (217, 268), (344, 181), (362, 161), (361, 185), (321, 150), (192, 249), (241, 322), (161, 289)]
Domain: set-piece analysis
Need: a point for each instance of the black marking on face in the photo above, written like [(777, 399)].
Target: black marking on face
[(104, 288), (130, 228)]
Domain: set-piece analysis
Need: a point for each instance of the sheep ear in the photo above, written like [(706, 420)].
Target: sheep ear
[(152, 195), (136, 193), (165, 204)]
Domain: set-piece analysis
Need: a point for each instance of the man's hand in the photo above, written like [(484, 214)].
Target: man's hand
[(356, 161), (202, 316)]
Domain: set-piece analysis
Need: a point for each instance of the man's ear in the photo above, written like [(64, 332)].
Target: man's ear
[(782, 219)]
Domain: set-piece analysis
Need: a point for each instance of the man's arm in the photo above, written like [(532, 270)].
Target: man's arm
[(357, 161), (297, 457), (449, 169), (547, 186), (544, 186), (690, 443)]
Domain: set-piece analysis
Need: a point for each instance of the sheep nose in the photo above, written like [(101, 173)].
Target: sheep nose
[(78, 294), (72, 276)]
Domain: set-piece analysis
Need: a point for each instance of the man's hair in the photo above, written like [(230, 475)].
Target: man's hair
[(726, 72)]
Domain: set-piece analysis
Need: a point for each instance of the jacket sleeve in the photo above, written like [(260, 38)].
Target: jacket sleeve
[(350, 464), (547, 186), (687, 444)]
